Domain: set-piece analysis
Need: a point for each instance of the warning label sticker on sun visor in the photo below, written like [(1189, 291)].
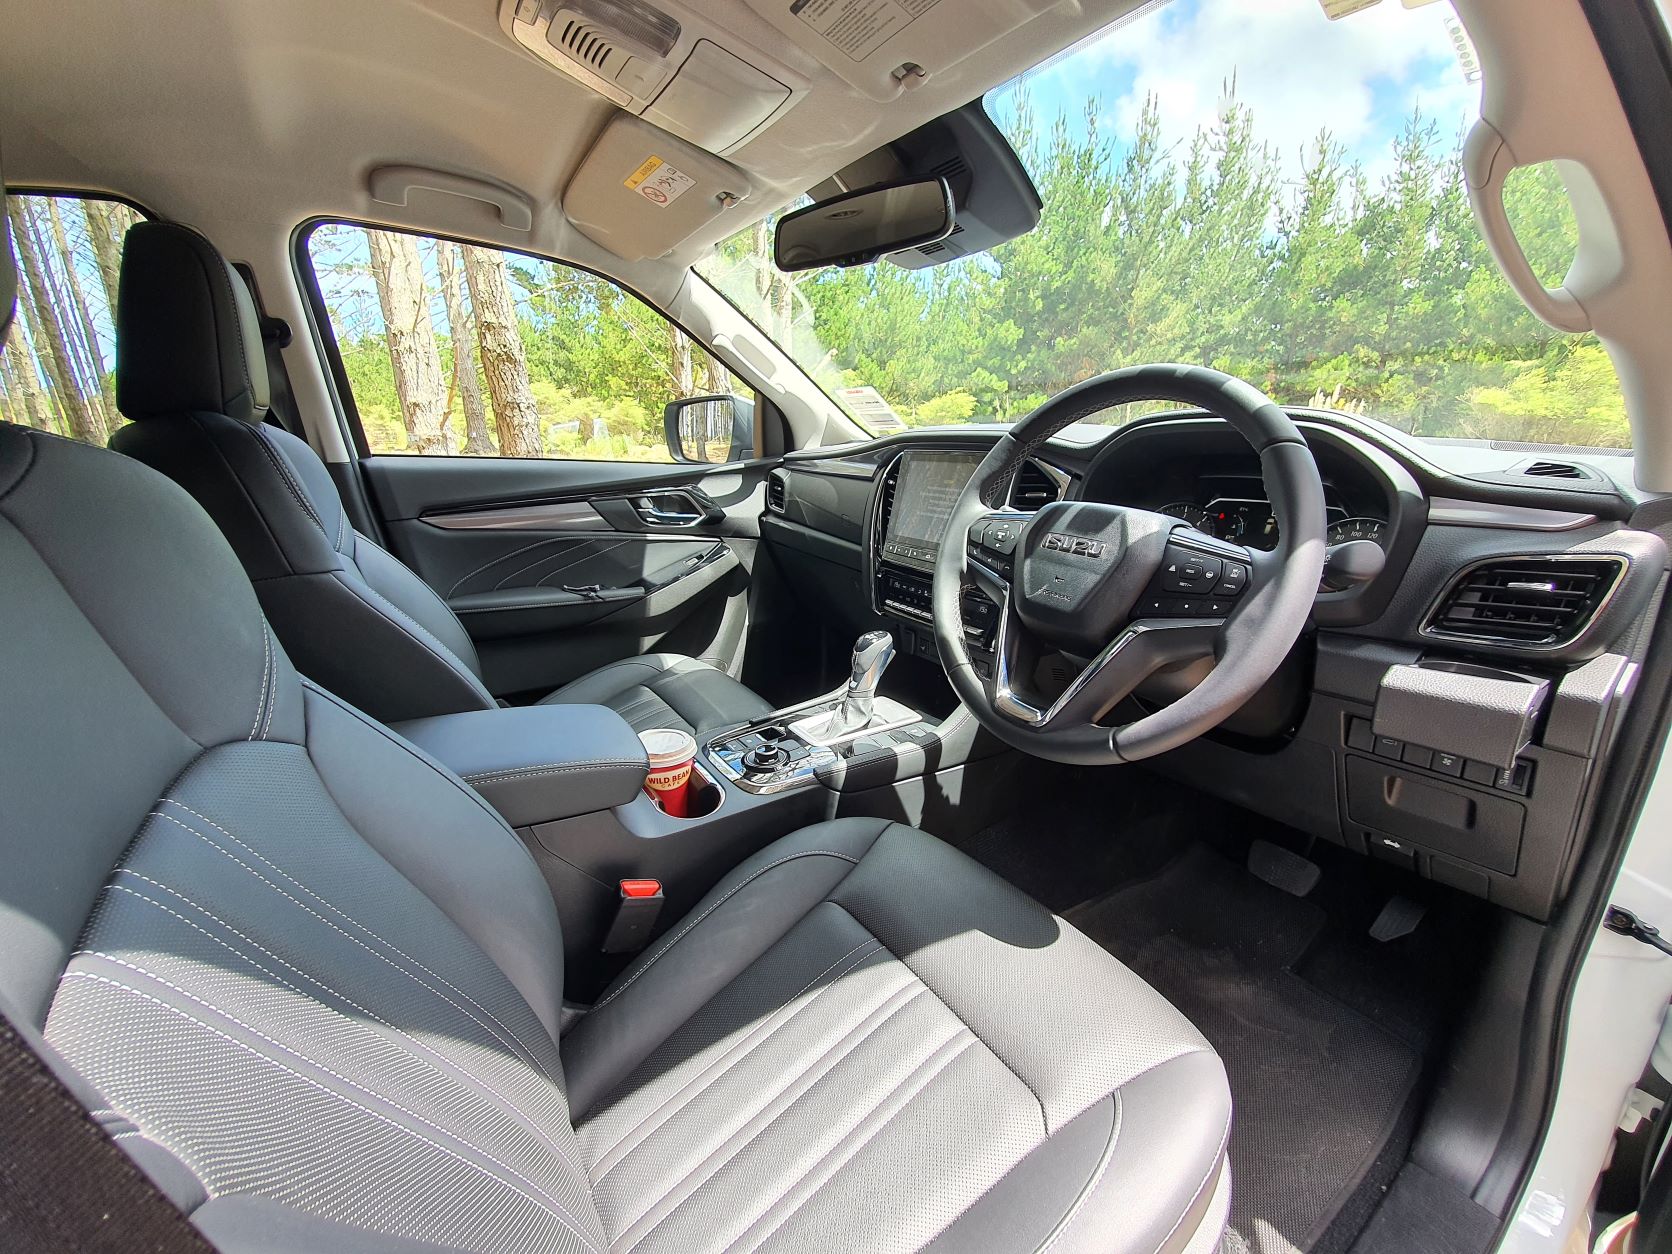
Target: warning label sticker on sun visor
[(658, 182), (860, 27)]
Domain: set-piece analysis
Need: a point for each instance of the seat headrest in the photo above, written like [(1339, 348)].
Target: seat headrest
[(187, 336), (8, 268)]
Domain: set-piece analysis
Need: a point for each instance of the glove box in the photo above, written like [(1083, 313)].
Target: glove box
[(1462, 823)]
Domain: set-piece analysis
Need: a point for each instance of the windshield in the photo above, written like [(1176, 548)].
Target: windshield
[(1256, 188)]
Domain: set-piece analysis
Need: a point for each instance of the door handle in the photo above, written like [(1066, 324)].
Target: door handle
[(661, 509)]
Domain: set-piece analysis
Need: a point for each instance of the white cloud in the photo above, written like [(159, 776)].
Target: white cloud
[(1297, 71)]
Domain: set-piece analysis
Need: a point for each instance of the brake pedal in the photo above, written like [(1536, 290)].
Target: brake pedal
[(1283, 868)]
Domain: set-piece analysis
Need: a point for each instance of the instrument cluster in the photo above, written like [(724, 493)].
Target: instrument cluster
[(1251, 522)]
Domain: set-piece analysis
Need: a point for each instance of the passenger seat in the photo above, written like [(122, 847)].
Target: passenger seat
[(191, 375)]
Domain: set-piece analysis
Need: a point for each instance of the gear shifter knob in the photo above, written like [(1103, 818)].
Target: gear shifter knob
[(872, 653)]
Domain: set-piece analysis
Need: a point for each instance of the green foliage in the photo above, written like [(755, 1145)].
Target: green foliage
[(602, 364), (1375, 297)]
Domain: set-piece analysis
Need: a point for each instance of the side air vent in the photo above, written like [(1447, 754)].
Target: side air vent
[(1554, 470), (776, 491), (885, 507), (1034, 488), (1525, 602)]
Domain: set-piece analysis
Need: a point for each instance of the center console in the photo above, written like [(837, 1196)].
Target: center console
[(796, 747), (913, 505)]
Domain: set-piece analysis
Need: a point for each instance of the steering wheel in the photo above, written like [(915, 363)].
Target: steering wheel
[(1122, 590)]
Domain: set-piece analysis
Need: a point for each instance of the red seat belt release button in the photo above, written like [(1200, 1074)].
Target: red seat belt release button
[(635, 916)]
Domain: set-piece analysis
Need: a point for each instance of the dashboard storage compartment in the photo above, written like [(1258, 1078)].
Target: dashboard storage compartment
[(1472, 826)]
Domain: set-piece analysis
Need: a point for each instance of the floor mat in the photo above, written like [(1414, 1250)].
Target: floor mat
[(1318, 1088)]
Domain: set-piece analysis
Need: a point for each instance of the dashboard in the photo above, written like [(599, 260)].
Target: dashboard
[(1521, 565)]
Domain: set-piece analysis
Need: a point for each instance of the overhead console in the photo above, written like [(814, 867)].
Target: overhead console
[(659, 61), (885, 47)]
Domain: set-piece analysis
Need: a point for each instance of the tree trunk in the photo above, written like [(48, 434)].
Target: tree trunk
[(399, 274), (24, 403), (106, 229), (461, 325), (503, 360), (80, 420), (106, 383)]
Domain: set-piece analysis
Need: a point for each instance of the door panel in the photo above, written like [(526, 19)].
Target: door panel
[(557, 567)]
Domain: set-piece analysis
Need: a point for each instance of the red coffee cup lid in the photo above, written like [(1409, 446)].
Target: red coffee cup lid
[(668, 746)]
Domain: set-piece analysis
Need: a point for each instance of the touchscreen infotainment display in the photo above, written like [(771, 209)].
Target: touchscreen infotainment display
[(928, 487)]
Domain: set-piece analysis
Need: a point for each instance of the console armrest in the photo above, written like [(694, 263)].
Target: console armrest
[(537, 763)]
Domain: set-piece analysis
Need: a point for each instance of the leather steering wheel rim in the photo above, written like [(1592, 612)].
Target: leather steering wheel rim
[(1248, 643)]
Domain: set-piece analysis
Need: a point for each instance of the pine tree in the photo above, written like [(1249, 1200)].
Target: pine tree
[(398, 272), (461, 328), (504, 360), (47, 329)]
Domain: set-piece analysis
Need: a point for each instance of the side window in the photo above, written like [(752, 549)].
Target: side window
[(454, 349), (58, 370)]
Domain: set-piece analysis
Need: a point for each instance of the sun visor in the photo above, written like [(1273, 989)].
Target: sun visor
[(642, 192)]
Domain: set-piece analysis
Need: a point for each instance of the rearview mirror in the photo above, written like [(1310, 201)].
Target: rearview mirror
[(715, 429), (861, 226)]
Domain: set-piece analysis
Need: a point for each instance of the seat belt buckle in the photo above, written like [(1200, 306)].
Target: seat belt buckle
[(635, 916)]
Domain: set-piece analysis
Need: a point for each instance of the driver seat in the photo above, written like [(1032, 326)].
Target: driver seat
[(312, 984)]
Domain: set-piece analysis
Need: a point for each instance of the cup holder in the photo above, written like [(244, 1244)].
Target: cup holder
[(702, 797)]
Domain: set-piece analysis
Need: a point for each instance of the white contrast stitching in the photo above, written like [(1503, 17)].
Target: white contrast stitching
[(1056, 1234), (289, 478), (556, 1209), (426, 641), (266, 671), (922, 1083), (764, 1032), (553, 768), (362, 927), (514, 1039), (806, 853), (530, 1122)]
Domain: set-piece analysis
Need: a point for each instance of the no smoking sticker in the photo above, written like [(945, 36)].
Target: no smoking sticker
[(658, 182)]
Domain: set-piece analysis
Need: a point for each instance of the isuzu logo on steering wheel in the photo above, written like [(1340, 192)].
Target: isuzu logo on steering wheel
[(1077, 545)]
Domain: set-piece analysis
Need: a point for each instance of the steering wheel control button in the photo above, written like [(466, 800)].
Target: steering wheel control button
[(1001, 538), (1232, 580)]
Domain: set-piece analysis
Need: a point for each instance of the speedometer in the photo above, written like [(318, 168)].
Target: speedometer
[(1372, 529), (1195, 515)]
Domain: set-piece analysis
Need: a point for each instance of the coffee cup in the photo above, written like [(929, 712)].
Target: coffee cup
[(671, 753)]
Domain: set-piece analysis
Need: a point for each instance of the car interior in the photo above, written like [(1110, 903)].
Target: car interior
[(1180, 832)]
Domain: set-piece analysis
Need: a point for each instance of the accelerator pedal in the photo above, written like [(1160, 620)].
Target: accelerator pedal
[(1398, 918)]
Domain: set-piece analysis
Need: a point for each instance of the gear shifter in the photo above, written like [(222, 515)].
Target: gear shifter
[(872, 653)]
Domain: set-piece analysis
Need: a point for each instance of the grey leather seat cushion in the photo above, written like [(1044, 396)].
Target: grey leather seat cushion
[(666, 690), (192, 375), (864, 1040)]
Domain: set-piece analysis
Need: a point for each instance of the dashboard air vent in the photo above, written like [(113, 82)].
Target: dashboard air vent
[(1554, 470), (1034, 488), (1525, 602), (776, 490), (885, 507)]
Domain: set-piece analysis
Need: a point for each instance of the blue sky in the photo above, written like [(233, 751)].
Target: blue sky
[(1298, 71)]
